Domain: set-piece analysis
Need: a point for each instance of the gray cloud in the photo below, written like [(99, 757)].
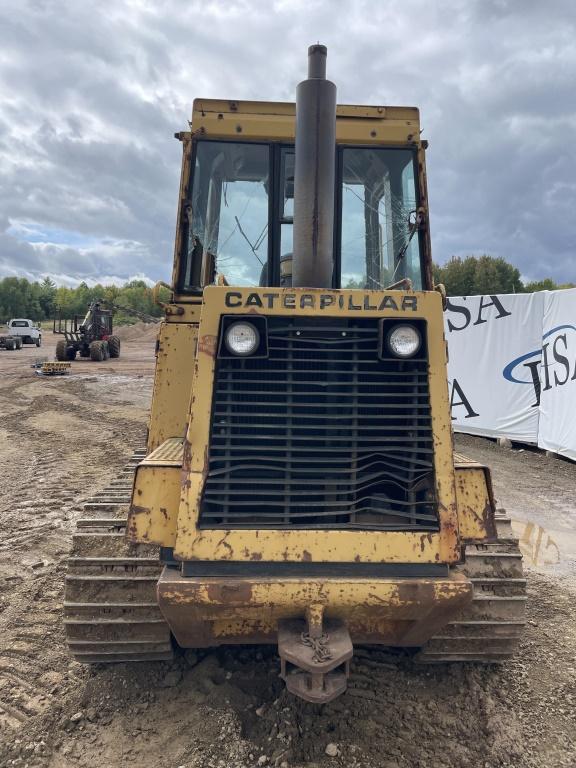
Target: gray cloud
[(91, 94)]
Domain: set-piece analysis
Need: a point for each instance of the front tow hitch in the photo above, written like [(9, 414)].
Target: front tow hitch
[(315, 656)]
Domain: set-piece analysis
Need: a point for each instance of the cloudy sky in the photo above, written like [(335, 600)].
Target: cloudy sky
[(91, 94)]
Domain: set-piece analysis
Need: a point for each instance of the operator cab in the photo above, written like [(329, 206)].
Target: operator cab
[(238, 216)]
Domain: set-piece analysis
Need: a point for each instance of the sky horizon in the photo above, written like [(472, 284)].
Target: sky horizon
[(91, 95)]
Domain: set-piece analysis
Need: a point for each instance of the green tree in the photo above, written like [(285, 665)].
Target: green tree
[(457, 275), (509, 278), (540, 285), (475, 275), (47, 297)]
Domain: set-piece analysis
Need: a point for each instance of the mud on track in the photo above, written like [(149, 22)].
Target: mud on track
[(62, 439)]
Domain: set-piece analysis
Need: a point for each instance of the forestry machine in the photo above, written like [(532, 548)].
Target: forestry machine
[(93, 336)]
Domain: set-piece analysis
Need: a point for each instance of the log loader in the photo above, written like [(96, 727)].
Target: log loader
[(299, 484)]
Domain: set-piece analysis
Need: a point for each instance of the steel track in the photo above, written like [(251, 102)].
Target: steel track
[(110, 609), (489, 630)]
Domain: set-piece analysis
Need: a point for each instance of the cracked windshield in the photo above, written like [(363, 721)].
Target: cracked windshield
[(379, 233), (230, 214), (230, 209)]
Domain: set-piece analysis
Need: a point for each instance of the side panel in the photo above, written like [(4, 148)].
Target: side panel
[(155, 496), (154, 508), (475, 503), (172, 382)]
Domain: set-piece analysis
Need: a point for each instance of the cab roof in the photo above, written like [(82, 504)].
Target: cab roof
[(275, 121)]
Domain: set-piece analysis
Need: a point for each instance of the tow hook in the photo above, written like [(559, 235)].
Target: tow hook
[(314, 656)]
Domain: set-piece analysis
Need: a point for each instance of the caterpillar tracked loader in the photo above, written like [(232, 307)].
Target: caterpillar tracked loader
[(299, 484)]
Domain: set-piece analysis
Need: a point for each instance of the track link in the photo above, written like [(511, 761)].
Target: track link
[(110, 608), (489, 630)]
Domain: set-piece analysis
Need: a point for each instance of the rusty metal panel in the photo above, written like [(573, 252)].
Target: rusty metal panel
[(317, 545), (172, 382), (206, 611), (475, 502), (154, 509)]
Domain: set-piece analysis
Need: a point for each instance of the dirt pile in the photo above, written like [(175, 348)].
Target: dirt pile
[(137, 332)]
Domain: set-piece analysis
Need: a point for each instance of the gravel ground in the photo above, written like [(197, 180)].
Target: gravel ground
[(61, 439)]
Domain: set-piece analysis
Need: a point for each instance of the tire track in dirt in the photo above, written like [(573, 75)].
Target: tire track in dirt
[(60, 450), (28, 628), (59, 471)]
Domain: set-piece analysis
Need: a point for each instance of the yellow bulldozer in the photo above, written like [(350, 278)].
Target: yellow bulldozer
[(299, 484)]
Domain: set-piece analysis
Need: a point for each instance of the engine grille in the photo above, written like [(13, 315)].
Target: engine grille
[(321, 434)]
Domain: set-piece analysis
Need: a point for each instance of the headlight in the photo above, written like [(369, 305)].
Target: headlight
[(404, 340), (242, 339)]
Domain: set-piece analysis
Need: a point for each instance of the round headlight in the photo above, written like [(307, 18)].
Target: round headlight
[(404, 340), (242, 339)]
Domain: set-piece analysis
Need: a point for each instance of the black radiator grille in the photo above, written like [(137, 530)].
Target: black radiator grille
[(321, 434)]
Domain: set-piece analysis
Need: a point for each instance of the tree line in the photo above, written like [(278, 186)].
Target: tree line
[(45, 300), (468, 276), (483, 275)]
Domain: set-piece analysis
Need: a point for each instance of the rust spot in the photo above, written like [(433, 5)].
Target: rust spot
[(207, 345), (306, 556), (233, 592), (131, 530), (488, 522), (423, 540), (136, 510), (164, 511), (255, 555), (224, 543), (450, 526), (187, 454)]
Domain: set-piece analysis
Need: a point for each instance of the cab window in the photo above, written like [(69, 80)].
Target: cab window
[(226, 214), (237, 218), (379, 243)]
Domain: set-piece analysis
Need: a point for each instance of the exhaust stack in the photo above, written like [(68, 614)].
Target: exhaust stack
[(313, 255)]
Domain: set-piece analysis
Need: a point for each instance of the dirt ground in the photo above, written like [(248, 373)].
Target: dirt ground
[(61, 439)]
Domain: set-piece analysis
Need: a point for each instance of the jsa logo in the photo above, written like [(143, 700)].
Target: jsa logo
[(552, 366)]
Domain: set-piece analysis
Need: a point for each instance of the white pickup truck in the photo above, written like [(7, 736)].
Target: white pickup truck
[(29, 332)]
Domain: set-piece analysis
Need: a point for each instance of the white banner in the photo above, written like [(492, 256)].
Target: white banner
[(512, 367), (494, 345), (557, 431)]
